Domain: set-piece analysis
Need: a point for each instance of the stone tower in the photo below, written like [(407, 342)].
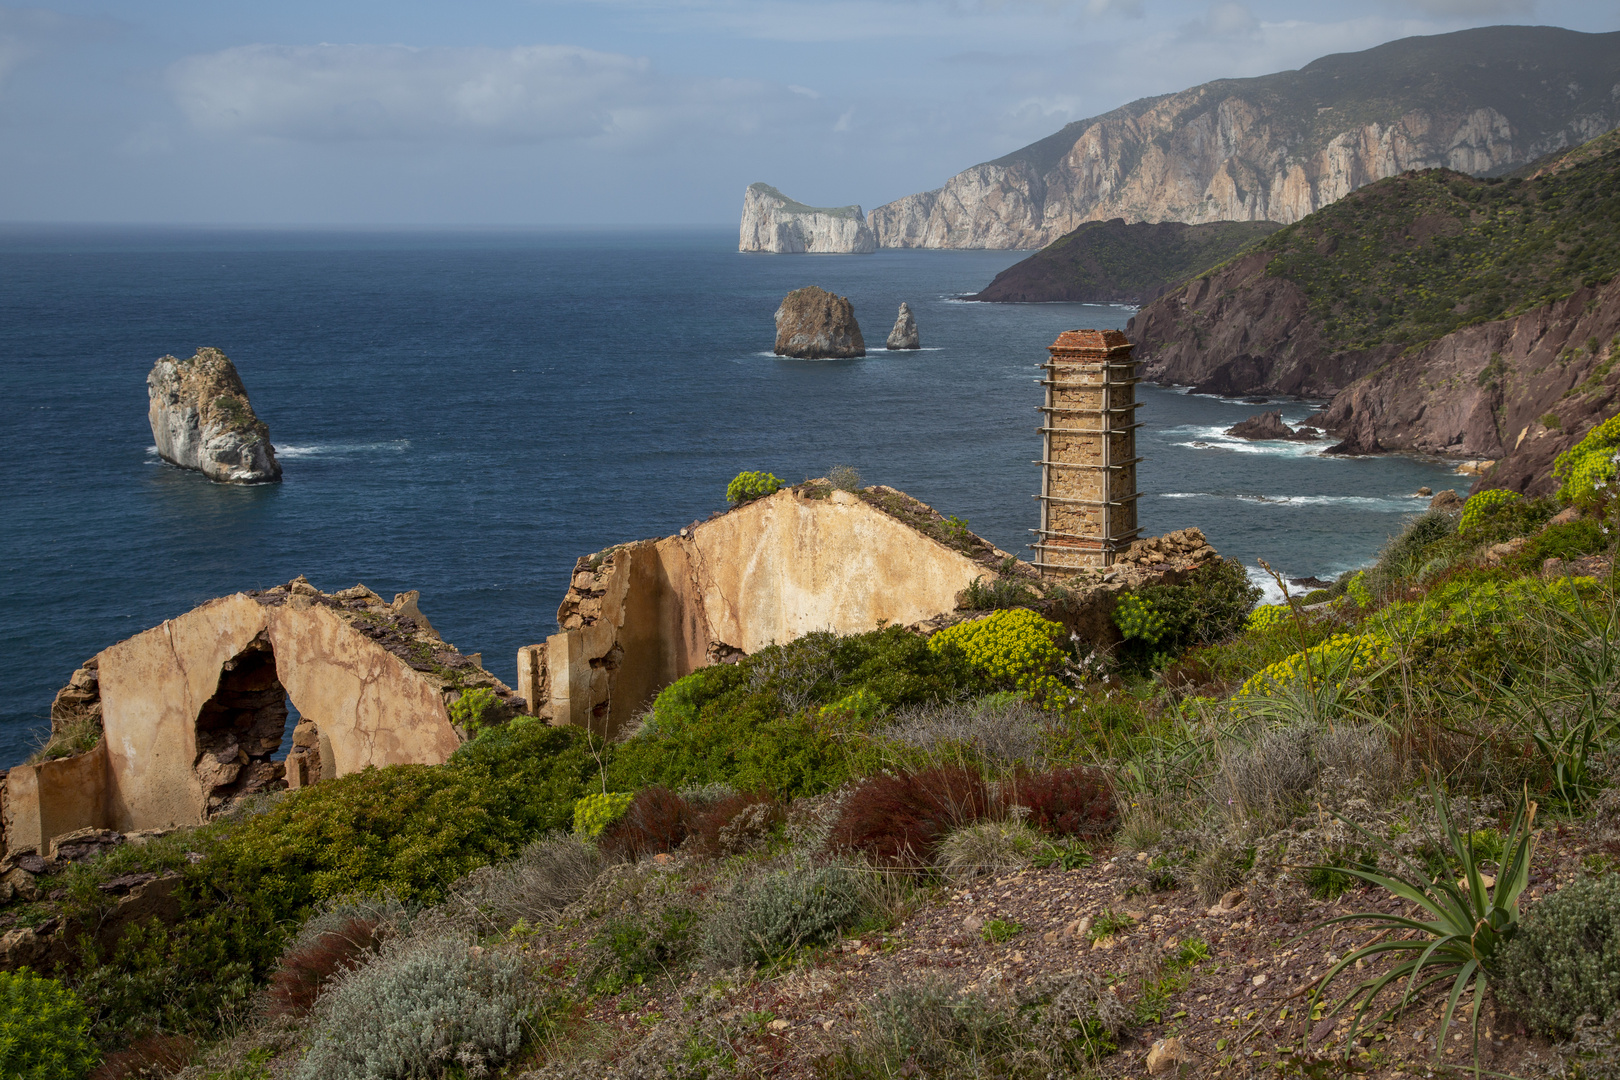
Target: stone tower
[(1088, 452)]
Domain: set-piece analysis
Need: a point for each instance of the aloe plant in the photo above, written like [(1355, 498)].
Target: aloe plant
[(1468, 922)]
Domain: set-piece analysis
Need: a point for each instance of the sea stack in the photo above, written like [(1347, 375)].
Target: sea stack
[(201, 419), (813, 324), (904, 334), (1269, 425)]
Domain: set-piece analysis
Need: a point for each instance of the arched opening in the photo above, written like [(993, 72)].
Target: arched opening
[(241, 727)]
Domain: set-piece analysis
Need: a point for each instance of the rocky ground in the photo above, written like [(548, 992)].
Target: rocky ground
[(1243, 1011)]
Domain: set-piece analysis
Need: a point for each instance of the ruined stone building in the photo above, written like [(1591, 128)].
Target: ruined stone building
[(193, 711), (1088, 453)]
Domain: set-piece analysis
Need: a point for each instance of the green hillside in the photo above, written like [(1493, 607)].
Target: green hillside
[(1110, 262), (1416, 256)]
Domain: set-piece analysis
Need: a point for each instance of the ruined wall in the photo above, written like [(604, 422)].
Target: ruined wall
[(193, 709), (768, 572)]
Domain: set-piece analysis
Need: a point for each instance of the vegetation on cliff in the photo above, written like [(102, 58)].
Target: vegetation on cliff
[(1417, 256), (1110, 262), (996, 850)]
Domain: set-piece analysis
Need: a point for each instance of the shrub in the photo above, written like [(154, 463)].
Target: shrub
[(1077, 801), (598, 810), (747, 486), (155, 1055), (845, 478), (423, 1008), (44, 1030), (1484, 504), (999, 931), (546, 877), (766, 917), (1586, 470), (339, 939), (1136, 619), (1056, 1025), (994, 594), (657, 820), (760, 724), (987, 847), (1015, 649), (475, 708), (735, 824), (1267, 616), (998, 730), (1571, 540), (898, 820), (1404, 556), (1211, 605), (651, 940), (1565, 961)]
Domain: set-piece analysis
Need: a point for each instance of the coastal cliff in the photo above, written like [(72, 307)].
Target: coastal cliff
[(775, 223), (1443, 314), (1281, 146), (201, 419)]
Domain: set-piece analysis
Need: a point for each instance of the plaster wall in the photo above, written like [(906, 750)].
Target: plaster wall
[(370, 706), (768, 572)]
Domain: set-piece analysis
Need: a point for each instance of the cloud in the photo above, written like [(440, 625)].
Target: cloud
[(1130, 9), (27, 32), (530, 94), (1223, 20)]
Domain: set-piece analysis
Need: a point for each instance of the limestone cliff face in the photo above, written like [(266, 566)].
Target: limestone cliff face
[(1281, 146), (773, 222), (201, 419)]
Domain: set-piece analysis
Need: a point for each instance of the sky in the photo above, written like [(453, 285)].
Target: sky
[(602, 112)]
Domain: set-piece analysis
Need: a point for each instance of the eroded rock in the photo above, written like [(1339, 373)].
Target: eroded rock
[(201, 419), (773, 222), (814, 324), (1269, 425), (904, 335)]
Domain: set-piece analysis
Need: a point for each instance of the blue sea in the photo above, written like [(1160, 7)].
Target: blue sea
[(466, 413)]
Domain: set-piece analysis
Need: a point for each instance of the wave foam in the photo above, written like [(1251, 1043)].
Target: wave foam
[(397, 446), (1389, 504), (1215, 438)]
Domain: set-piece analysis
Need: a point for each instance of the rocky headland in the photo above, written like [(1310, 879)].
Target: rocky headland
[(814, 324), (1281, 146), (202, 419), (904, 335), (1442, 314), (775, 223), (1111, 262)]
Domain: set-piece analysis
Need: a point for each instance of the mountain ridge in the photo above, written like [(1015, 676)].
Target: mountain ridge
[(1280, 146)]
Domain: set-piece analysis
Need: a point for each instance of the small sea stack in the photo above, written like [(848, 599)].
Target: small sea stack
[(904, 334), (202, 419), (814, 324), (1269, 425)]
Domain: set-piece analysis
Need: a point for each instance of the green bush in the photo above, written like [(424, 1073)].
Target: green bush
[(635, 948), (1403, 556), (423, 1008), (1565, 961), (1571, 540), (768, 916), (1586, 470), (409, 830), (43, 1029), (747, 486), (1484, 504), (473, 709), (600, 809), (995, 594), (1211, 605), (763, 722), (1137, 620), (1014, 649)]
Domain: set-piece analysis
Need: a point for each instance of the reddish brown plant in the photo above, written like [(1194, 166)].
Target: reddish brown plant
[(1065, 802), (899, 820), (155, 1055), (656, 821), (303, 971), (730, 826)]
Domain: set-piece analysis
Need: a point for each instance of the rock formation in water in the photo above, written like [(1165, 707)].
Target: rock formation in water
[(201, 419), (1110, 262), (773, 222), (1281, 146), (1269, 425), (904, 334), (813, 324)]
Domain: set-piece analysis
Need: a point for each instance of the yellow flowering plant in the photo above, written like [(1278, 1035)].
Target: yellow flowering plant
[(1015, 647)]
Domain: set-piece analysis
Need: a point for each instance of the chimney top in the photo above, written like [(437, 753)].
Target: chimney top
[(1090, 342)]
